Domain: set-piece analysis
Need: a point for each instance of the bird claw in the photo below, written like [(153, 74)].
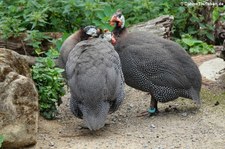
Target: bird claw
[(149, 113)]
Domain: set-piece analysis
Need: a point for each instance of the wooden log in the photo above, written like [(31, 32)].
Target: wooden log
[(19, 45), (160, 26)]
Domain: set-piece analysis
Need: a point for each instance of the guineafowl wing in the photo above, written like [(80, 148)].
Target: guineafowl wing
[(152, 60), (161, 70)]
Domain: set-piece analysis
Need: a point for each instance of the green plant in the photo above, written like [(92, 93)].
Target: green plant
[(49, 83), (37, 18), (1, 140), (194, 46), (195, 20), (34, 38), (216, 14), (103, 17), (10, 26)]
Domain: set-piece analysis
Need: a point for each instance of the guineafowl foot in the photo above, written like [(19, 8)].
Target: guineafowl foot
[(149, 112), (153, 110)]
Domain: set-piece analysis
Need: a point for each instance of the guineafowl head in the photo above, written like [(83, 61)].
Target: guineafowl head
[(90, 32), (118, 18), (108, 36), (118, 21), (94, 111)]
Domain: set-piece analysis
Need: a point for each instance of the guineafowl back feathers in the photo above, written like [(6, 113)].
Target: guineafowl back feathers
[(158, 66), (96, 81)]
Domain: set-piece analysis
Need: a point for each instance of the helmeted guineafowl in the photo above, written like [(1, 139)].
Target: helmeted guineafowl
[(155, 65), (96, 81)]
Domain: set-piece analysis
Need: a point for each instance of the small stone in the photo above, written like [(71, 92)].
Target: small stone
[(129, 134), (114, 119), (145, 146), (184, 114), (51, 144), (79, 127), (141, 136), (217, 103), (152, 126)]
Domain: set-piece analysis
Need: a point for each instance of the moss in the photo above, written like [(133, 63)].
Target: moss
[(212, 97)]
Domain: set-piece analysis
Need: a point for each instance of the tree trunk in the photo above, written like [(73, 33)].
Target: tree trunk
[(160, 26)]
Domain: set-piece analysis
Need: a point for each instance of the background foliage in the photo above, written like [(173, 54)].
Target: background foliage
[(69, 15)]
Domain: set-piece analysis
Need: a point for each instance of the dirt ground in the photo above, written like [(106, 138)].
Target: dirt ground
[(180, 124)]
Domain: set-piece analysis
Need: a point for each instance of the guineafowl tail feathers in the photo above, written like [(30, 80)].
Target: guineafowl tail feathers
[(195, 95), (95, 119)]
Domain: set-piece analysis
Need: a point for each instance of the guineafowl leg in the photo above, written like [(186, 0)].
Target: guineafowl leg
[(153, 106), (153, 110)]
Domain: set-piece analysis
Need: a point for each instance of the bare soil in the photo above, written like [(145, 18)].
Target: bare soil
[(180, 124)]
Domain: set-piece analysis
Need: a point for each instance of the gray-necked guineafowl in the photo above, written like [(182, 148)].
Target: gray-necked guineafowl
[(156, 65), (96, 81)]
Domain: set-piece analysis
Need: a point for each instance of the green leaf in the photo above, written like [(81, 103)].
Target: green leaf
[(194, 50), (210, 36), (97, 22), (59, 70), (108, 11), (100, 14), (216, 14), (1, 140), (187, 41), (50, 62)]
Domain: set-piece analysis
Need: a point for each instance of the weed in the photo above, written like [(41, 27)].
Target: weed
[(49, 82)]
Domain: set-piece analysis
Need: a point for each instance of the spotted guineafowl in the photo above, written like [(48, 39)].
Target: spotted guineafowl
[(96, 81), (156, 65)]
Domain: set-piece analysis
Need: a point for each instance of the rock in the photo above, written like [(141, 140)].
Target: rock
[(211, 69), (184, 114), (152, 126), (217, 103), (51, 144), (18, 101)]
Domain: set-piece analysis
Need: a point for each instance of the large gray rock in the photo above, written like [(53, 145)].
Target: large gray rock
[(18, 101), (213, 69)]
